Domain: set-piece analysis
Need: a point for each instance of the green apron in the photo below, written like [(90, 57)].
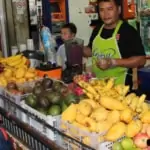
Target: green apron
[(108, 48)]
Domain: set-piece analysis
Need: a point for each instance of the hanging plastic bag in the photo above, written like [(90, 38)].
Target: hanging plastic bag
[(49, 45)]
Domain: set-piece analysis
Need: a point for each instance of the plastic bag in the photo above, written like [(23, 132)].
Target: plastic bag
[(49, 45)]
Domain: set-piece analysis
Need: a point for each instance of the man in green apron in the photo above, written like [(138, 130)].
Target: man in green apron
[(115, 46)]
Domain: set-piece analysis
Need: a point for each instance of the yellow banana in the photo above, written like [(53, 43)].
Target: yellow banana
[(11, 58), (23, 62), (134, 103), (14, 63), (141, 100), (110, 83)]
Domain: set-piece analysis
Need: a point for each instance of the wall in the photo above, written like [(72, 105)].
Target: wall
[(80, 18)]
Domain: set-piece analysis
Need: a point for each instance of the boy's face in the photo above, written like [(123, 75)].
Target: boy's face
[(66, 34)]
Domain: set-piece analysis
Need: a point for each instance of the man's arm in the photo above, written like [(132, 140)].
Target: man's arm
[(132, 62)]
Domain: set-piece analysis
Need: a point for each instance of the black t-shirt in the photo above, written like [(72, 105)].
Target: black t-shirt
[(129, 43)]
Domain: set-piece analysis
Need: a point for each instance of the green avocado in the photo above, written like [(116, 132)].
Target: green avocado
[(54, 110), (57, 86), (63, 106), (53, 97), (47, 83), (43, 102), (38, 90), (31, 100), (70, 98)]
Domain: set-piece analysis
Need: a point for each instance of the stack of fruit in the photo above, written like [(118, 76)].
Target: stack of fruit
[(108, 109), (50, 97), (15, 68)]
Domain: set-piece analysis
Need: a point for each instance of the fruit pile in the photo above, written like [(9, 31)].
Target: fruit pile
[(15, 68), (108, 109), (50, 97)]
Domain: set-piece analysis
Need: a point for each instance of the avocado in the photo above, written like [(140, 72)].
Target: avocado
[(42, 110), (57, 86), (31, 100), (54, 97), (38, 83), (63, 106), (54, 110), (27, 89), (43, 102), (70, 98), (38, 90), (47, 83), (64, 90)]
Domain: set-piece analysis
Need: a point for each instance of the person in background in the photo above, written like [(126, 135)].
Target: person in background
[(68, 32), (115, 46)]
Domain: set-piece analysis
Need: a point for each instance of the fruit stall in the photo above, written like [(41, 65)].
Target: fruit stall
[(45, 113)]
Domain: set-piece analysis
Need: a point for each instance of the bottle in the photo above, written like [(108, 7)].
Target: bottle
[(14, 50)]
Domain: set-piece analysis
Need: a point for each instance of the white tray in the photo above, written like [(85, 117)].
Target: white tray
[(53, 121)]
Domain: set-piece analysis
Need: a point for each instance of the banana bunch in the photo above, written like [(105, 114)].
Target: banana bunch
[(97, 88), (16, 61), (136, 103)]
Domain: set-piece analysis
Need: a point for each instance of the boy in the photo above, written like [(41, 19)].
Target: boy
[(68, 32)]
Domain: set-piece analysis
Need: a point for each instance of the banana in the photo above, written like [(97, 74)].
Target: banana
[(145, 107), (11, 58), (14, 63), (129, 98), (134, 103), (125, 90), (23, 62), (110, 83), (141, 100)]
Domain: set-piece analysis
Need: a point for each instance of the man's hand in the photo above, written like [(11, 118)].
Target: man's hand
[(105, 63), (87, 52)]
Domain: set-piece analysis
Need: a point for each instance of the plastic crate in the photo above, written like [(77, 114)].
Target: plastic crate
[(91, 139), (53, 121), (108, 145), (16, 98)]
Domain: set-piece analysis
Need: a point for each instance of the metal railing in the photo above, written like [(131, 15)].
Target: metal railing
[(29, 136)]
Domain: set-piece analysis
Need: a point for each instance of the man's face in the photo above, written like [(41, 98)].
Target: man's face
[(66, 34), (109, 12)]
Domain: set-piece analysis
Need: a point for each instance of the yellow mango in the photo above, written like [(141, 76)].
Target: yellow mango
[(93, 103), (20, 72), (85, 108), (7, 73), (126, 115), (133, 128), (116, 131), (99, 114), (145, 118), (80, 117), (3, 81), (113, 116), (111, 103), (90, 123), (70, 113), (103, 126)]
